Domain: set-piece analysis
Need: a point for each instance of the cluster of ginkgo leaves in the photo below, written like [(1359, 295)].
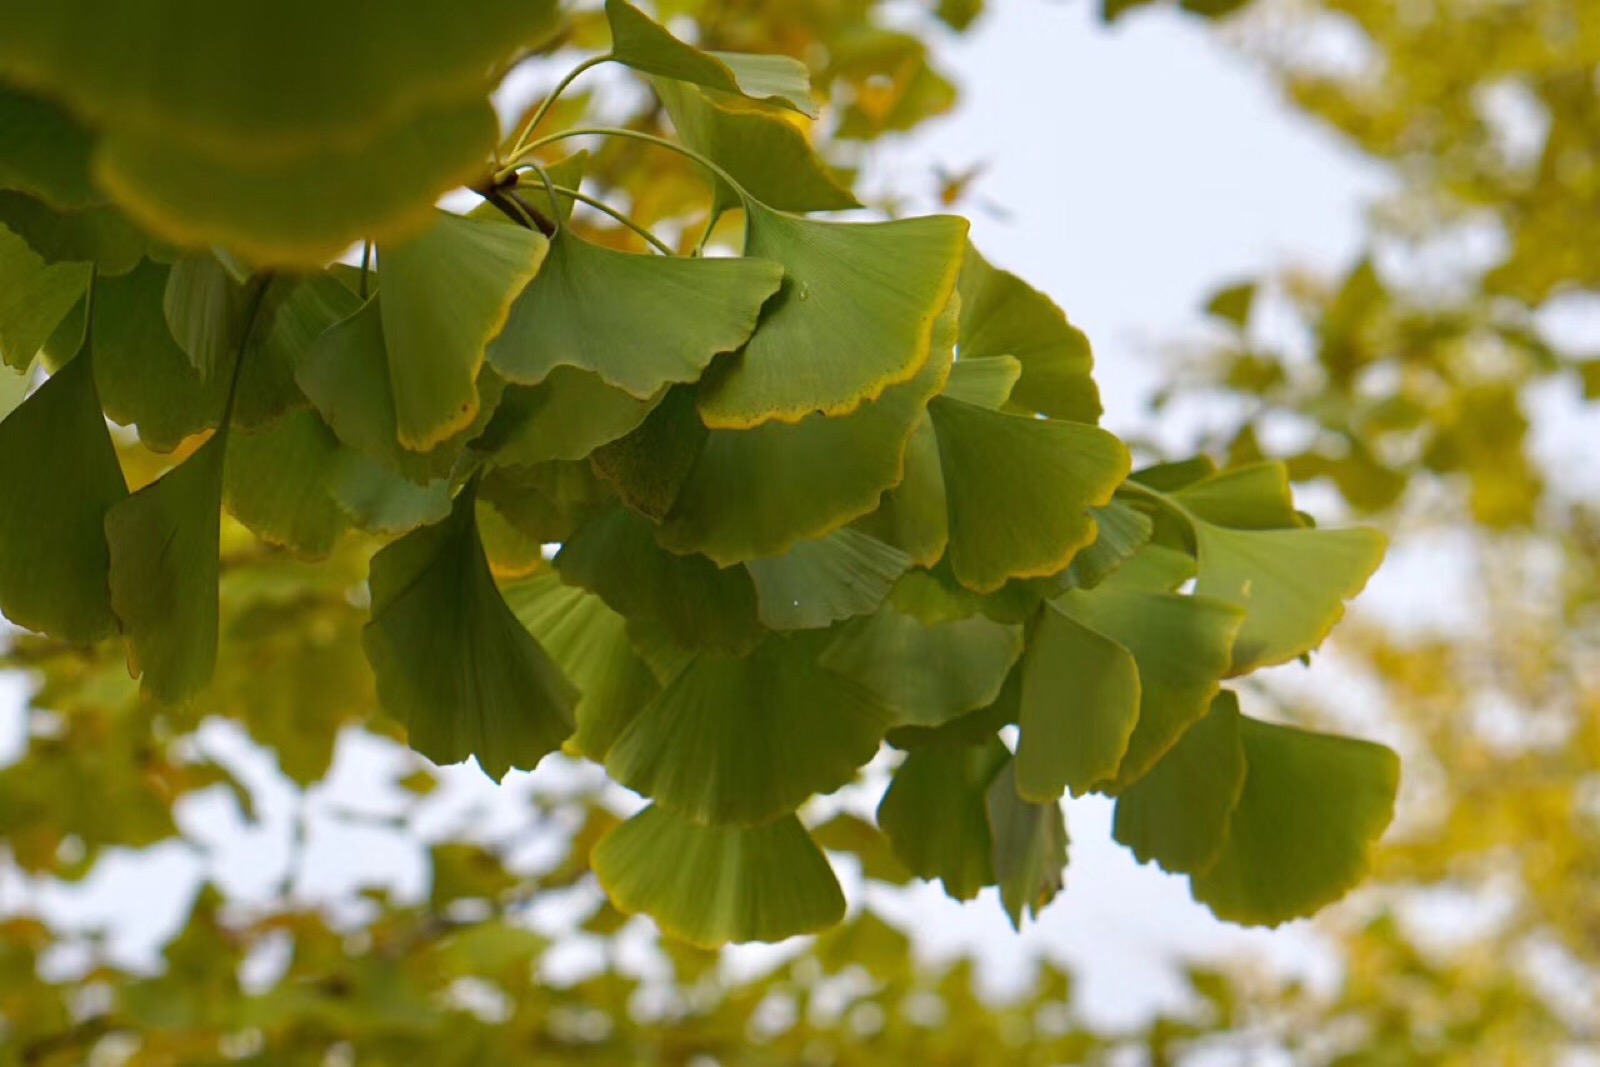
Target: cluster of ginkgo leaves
[(842, 488)]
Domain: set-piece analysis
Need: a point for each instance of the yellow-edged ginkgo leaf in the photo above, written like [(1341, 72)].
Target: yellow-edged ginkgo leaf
[(754, 493), (639, 322), (1029, 843), (711, 885), (1311, 809), (446, 294), (1001, 315), (1256, 496), (615, 555), (1120, 533), (565, 417), (935, 814), (767, 155), (985, 382), (1177, 814), (914, 515), (276, 483), (164, 543), (590, 643), (927, 673), (1080, 704), (743, 740), (639, 42), (818, 583), (58, 476), (35, 297), (855, 315), (452, 662), (1020, 490)]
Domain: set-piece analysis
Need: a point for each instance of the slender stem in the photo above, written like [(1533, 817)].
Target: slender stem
[(518, 211), (549, 189), (539, 113), (251, 316), (606, 209), (711, 226), (634, 135), (366, 266)]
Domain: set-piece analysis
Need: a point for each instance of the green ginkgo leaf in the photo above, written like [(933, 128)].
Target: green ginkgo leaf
[(1029, 843), (590, 643), (164, 543), (855, 315), (13, 389), (1120, 533), (1300, 837), (381, 501), (1181, 646), (710, 885), (34, 298), (649, 466), (1292, 584), (58, 477), (639, 322), (1020, 490), (276, 483), (766, 154), (346, 376), (446, 294), (818, 583), (1177, 815), (615, 556), (985, 382), (936, 816), (145, 379), (204, 307), (914, 515), (754, 493), (1256, 496), (565, 417), (300, 209), (548, 503), (743, 740), (294, 312), (98, 235), (452, 662), (638, 42), (1080, 704), (1001, 315), (45, 153), (927, 673)]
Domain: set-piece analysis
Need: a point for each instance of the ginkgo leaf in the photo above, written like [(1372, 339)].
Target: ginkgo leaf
[(743, 740), (1020, 490), (639, 322), (926, 672), (34, 298), (294, 312), (276, 484), (1177, 815), (164, 543), (1311, 808), (381, 501), (1256, 496), (452, 662), (98, 235), (710, 885), (615, 555), (1120, 532), (1080, 704), (46, 153), (914, 515), (346, 377), (446, 294), (1181, 646), (1029, 843), (754, 493), (1154, 568), (300, 209), (590, 643), (649, 466), (986, 382), (855, 315), (818, 583), (765, 153), (203, 307), (145, 379), (58, 476), (565, 417), (935, 813), (547, 503), (1292, 584), (1001, 315), (260, 81)]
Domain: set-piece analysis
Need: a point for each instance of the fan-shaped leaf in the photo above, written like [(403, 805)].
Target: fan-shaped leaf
[(1312, 806), (446, 295), (1020, 490), (294, 312), (203, 307), (58, 476), (100, 235), (936, 815), (818, 583), (745, 740), (452, 662), (1120, 532), (1030, 847), (985, 382), (565, 417), (856, 314), (380, 501), (639, 322), (914, 515), (1256, 496), (710, 885), (276, 484), (34, 298)]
